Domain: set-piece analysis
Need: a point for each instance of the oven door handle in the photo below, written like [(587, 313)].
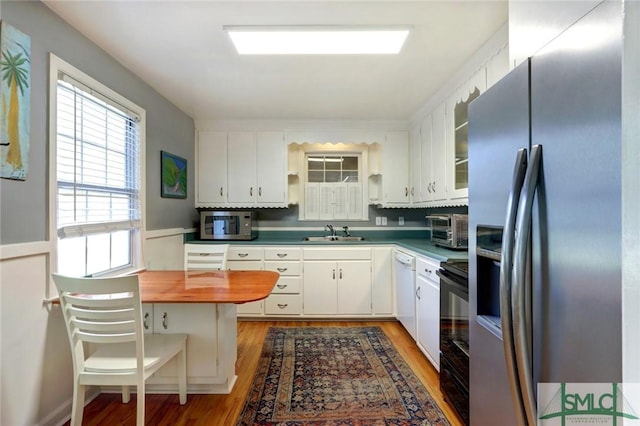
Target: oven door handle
[(506, 267)]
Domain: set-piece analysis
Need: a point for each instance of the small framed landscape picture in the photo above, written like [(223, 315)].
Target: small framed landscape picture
[(174, 176)]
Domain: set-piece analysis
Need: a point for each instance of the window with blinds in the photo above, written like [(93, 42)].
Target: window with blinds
[(98, 181), (333, 189)]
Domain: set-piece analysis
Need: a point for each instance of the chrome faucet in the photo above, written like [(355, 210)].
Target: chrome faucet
[(345, 229), (330, 228)]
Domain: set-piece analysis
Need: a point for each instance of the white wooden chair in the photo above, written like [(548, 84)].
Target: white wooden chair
[(205, 256), (107, 313)]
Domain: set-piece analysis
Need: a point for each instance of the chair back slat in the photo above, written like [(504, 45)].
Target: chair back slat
[(112, 314), (100, 300), (105, 338), (105, 327), (205, 256)]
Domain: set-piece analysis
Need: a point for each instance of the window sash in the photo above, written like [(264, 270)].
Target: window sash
[(98, 163)]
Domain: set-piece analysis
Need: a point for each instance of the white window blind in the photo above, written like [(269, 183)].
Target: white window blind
[(98, 163), (334, 188)]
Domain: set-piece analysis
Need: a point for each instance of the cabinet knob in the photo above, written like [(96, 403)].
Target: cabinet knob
[(282, 305), (340, 273), (418, 292), (406, 191), (282, 286), (251, 191), (281, 254), (243, 254), (146, 320), (334, 274), (259, 191), (434, 187), (165, 320), (282, 269), (412, 191)]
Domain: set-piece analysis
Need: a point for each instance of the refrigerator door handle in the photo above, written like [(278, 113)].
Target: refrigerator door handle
[(521, 290), (506, 266)]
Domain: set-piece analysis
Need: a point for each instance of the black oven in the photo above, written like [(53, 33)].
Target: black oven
[(454, 335)]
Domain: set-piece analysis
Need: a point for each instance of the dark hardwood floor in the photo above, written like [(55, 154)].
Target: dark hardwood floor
[(223, 410)]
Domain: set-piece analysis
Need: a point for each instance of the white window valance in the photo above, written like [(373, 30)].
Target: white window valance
[(335, 137)]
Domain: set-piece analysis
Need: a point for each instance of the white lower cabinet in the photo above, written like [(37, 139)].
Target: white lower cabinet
[(211, 344), (285, 298), (337, 281), (428, 309), (319, 281), (246, 258)]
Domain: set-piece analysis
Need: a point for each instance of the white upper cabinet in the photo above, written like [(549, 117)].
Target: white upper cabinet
[(395, 170), (533, 24), (458, 134), (211, 164), (416, 149), (271, 167), (241, 169), (438, 154), (432, 134), (498, 66)]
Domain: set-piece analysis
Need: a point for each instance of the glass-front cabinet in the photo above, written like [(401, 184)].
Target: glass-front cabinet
[(461, 138), (458, 135)]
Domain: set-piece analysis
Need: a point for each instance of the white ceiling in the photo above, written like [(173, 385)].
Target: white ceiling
[(180, 49)]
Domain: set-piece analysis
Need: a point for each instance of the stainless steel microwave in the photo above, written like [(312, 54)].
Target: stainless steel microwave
[(228, 225), (450, 230)]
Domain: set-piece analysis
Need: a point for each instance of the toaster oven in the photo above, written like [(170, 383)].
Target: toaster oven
[(450, 230)]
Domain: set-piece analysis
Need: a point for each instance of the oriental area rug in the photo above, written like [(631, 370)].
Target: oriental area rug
[(329, 376)]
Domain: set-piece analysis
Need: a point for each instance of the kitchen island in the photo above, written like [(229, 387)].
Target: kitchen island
[(203, 305)]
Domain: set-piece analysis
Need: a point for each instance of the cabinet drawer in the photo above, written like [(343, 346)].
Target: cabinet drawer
[(282, 253), (288, 285), (284, 268), (283, 304), (427, 268), (246, 265), (244, 253), (338, 253)]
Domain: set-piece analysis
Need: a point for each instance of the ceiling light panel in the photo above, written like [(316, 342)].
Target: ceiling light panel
[(313, 40)]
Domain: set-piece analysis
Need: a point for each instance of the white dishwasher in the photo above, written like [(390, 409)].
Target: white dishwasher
[(405, 266)]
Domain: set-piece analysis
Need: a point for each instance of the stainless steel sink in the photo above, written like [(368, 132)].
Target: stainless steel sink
[(333, 238)]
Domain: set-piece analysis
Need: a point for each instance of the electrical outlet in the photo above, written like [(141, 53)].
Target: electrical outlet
[(401, 220), (384, 221), (378, 220)]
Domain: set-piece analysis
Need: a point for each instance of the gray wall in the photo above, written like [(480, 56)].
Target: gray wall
[(24, 204)]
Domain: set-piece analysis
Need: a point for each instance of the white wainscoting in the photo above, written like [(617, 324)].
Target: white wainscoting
[(164, 249), (36, 363)]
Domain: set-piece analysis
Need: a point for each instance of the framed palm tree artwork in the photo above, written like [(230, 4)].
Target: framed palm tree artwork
[(174, 176), (15, 74)]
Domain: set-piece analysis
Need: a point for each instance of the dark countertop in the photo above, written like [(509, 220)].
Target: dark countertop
[(415, 241)]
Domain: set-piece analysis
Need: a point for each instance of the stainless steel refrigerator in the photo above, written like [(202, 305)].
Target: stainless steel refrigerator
[(545, 223)]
